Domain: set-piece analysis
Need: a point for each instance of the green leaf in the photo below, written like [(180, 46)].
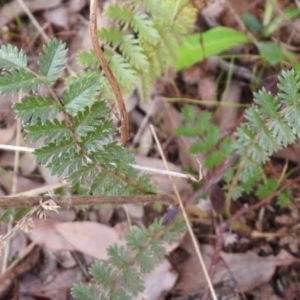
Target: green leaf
[(52, 60), (88, 120), (11, 58), (204, 121), (252, 23), (212, 135), (56, 129), (83, 292), (111, 35), (269, 105), (18, 80), (289, 85), (144, 27), (86, 173), (189, 113), (197, 47), (103, 274), (7, 215), (125, 75), (120, 13), (289, 13), (105, 183), (132, 51), (80, 93), (213, 159), (55, 152), (266, 189), (226, 147), (118, 256), (199, 147), (93, 141), (36, 108), (282, 132), (284, 198), (69, 165), (186, 131), (88, 58), (132, 280), (270, 52)]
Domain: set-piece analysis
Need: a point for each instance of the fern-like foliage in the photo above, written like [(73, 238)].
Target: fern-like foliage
[(142, 41), (78, 133), (81, 145), (121, 277), (272, 124), (207, 137)]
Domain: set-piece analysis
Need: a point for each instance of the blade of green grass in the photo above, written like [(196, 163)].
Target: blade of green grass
[(214, 41)]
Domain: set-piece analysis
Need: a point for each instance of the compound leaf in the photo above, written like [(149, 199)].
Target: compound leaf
[(11, 58), (36, 108), (80, 93), (17, 80), (52, 60)]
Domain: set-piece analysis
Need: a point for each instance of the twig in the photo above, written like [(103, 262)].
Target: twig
[(13, 191), (186, 218), (215, 179), (68, 201), (137, 167), (108, 73)]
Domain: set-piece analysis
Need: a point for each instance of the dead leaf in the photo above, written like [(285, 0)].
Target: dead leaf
[(76, 5), (160, 280), (59, 287), (88, 237), (229, 114), (250, 270), (131, 102), (58, 16), (27, 164), (265, 292), (23, 183), (242, 272), (13, 9), (217, 198), (105, 213), (135, 211), (145, 142), (45, 234), (6, 134), (7, 115), (8, 277)]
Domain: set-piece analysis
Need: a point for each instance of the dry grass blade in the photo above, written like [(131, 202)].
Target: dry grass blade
[(186, 219)]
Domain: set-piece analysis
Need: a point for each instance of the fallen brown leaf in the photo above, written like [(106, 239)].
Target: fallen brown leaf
[(242, 272), (45, 234), (13, 9), (6, 134), (88, 237), (158, 281)]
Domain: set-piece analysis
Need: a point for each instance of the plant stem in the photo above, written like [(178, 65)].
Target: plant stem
[(68, 201), (108, 73)]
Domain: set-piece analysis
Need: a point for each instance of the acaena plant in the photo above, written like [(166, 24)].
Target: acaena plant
[(78, 134), (272, 123)]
